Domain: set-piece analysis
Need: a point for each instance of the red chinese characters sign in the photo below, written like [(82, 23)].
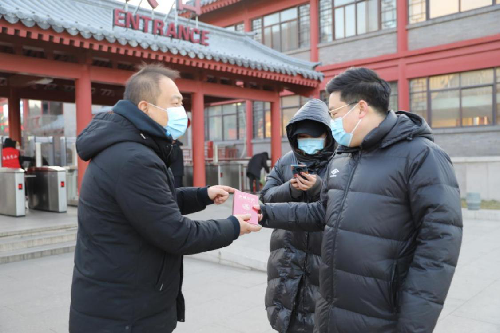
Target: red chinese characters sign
[(128, 20)]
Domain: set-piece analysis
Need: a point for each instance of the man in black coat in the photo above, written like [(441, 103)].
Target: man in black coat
[(255, 165), (293, 266), (131, 230), (391, 214)]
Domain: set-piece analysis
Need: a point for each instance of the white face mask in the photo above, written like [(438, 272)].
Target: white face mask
[(177, 121), (337, 126)]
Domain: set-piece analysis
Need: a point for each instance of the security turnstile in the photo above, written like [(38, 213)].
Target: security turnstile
[(47, 190), (69, 161), (72, 185), (12, 200)]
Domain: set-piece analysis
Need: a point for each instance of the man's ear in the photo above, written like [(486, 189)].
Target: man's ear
[(143, 106), (363, 109)]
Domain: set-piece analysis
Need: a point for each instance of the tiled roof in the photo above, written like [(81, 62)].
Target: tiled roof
[(92, 19)]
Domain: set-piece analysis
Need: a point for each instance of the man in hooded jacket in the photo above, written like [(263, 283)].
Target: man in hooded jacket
[(131, 230), (391, 214), (293, 266)]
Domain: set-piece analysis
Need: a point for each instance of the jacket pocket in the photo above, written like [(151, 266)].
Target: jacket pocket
[(161, 275), (394, 287)]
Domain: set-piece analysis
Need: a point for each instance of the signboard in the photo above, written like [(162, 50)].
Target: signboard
[(147, 24)]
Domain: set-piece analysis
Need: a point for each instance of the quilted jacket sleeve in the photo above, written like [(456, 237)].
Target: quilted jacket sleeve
[(277, 189), (435, 204), (296, 216), (144, 197)]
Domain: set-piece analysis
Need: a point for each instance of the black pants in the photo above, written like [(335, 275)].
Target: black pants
[(257, 183), (178, 181)]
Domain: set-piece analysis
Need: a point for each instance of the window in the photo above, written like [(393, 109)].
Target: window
[(421, 10), (498, 91), (345, 18), (284, 31), (459, 99), (393, 99), (236, 27), (225, 122), (289, 107), (257, 28), (261, 120)]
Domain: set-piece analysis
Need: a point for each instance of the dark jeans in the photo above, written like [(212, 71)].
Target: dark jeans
[(257, 183), (178, 181)]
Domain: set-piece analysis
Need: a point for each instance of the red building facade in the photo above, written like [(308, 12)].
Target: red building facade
[(442, 57)]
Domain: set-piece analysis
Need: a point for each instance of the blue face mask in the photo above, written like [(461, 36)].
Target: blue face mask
[(311, 145), (177, 121), (338, 131)]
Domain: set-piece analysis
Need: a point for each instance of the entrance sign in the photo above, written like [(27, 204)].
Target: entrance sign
[(147, 24)]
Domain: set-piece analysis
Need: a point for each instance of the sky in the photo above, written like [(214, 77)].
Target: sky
[(164, 5)]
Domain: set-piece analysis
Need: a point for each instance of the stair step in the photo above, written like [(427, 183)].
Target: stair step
[(24, 241), (36, 252), (38, 230)]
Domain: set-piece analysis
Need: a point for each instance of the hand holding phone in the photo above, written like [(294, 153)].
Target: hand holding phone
[(297, 169)]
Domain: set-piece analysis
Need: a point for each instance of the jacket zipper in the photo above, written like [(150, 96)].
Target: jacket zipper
[(337, 227)]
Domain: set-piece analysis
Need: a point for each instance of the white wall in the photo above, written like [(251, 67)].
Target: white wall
[(478, 174)]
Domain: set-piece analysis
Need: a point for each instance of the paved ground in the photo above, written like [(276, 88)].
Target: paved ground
[(35, 293)]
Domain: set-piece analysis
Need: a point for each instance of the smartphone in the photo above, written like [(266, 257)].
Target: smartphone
[(298, 168)]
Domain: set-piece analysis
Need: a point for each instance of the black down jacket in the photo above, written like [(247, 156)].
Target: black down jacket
[(131, 232), (392, 231), (256, 163), (293, 266)]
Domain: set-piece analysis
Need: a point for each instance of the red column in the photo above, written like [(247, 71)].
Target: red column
[(249, 122), (275, 131), (402, 20), (314, 29), (249, 105), (316, 93), (198, 109), (246, 22), (14, 115), (403, 88), (83, 101), (403, 85)]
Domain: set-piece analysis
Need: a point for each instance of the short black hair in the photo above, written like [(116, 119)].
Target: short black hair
[(361, 83), (145, 84), (9, 143)]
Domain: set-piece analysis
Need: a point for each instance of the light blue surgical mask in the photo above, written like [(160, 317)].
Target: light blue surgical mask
[(177, 121), (338, 131), (311, 145)]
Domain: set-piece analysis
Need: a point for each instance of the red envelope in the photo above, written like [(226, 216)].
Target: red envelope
[(243, 204)]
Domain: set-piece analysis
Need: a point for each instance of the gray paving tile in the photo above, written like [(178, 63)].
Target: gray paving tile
[(483, 307), (455, 324)]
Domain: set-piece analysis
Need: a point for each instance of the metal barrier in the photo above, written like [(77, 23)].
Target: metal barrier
[(212, 174), (72, 185), (12, 199), (68, 145), (47, 190), (232, 173), (1, 150), (42, 147)]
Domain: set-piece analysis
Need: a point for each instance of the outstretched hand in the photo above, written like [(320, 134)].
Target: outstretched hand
[(245, 226), (258, 210), (219, 193)]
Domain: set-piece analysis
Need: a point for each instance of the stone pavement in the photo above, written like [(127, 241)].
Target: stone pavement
[(34, 294)]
